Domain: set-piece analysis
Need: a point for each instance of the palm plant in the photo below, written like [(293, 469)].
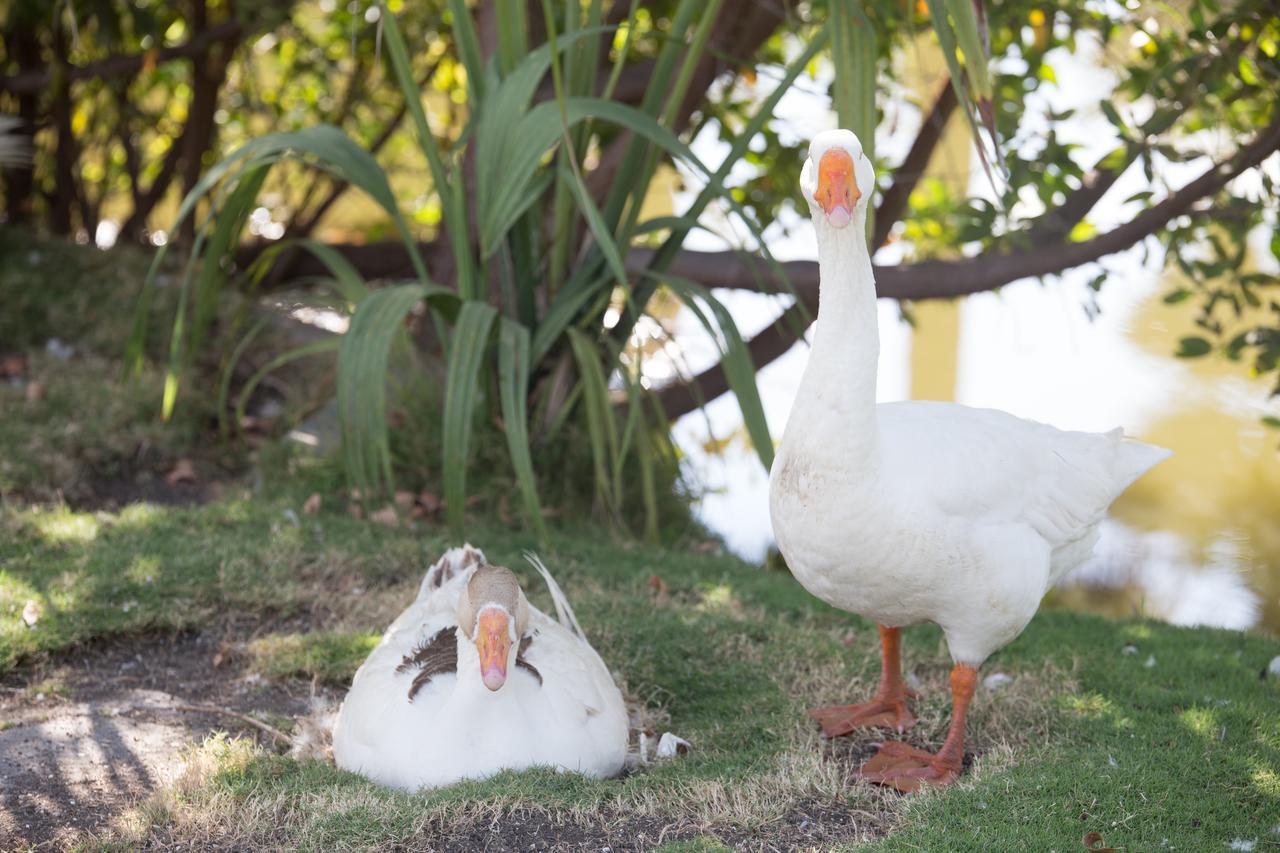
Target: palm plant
[(537, 248)]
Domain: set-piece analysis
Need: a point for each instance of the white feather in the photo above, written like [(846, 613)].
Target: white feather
[(455, 728), (922, 511)]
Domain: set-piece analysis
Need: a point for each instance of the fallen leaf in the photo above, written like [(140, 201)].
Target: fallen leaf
[(183, 472), (659, 588), (35, 392), (430, 502), (31, 613), (1093, 841), (404, 500), (13, 364), (386, 516), (312, 505)]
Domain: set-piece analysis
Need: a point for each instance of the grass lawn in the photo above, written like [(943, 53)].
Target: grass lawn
[(1174, 745), (1152, 736)]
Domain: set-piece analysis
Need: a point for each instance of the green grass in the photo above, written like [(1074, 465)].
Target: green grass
[(1085, 738), (1185, 753)]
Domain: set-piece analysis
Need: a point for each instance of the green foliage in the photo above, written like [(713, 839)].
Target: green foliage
[(518, 159)]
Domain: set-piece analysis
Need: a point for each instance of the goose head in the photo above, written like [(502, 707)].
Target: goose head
[(837, 178), (493, 615)]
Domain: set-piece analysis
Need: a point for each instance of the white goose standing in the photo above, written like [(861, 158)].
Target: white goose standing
[(920, 511), (471, 680)]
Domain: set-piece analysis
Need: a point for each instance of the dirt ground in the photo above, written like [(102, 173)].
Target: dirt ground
[(88, 733)]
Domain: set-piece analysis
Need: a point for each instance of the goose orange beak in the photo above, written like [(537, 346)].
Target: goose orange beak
[(493, 642), (837, 191)]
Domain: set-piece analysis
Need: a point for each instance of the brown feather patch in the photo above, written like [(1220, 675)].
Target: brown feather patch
[(435, 656), (525, 642)]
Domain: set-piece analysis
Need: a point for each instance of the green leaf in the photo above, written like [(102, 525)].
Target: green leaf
[(1192, 347), (323, 146), (735, 361), (513, 392), (1109, 110), (601, 428), (362, 383), (470, 339), (1179, 295), (468, 41), (327, 345), (453, 213), (604, 239), (229, 223), (854, 54)]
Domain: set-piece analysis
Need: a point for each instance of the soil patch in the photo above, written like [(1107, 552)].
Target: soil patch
[(87, 734)]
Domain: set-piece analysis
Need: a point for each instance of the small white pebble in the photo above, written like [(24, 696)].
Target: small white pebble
[(1150, 661), (669, 746), (292, 517), (58, 349), (1129, 649), (1242, 844), (982, 804), (1111, 759), (996, 680), (1273, 668)]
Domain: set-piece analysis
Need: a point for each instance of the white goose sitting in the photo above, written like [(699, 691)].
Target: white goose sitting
[(471, 680), (919, 511)]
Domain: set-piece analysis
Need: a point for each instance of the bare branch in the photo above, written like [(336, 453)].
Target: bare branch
[(30, 82), (939, 279)]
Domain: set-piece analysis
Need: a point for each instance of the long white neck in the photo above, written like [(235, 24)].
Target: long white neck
[(846, 344)]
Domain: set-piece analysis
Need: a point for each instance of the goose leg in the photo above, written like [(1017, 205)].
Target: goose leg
[(888, 708), (906, 768)]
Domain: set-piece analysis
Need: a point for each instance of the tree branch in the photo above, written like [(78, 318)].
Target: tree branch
[(935, 279), (893, 204), (30, 82)]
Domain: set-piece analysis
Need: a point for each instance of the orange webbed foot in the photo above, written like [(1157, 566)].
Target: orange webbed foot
[(838, 720), (906, 768)]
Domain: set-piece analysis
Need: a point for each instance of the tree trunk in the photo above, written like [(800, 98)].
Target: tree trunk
[(19, 181)]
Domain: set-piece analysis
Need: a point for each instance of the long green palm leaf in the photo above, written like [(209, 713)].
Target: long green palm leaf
[(470, 339)]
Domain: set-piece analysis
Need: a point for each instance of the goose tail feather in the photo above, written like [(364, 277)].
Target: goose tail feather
[(564, 612), (1135, 458)]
